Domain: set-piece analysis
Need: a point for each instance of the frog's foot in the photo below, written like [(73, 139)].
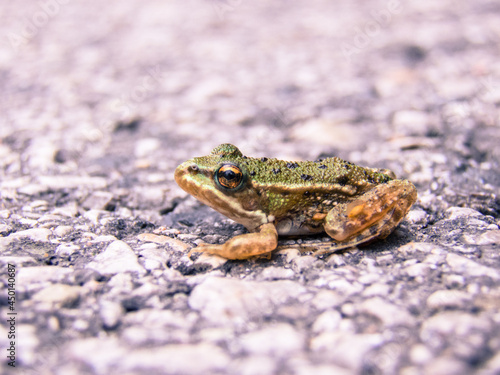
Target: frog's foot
[(374, 215), (244, 246)]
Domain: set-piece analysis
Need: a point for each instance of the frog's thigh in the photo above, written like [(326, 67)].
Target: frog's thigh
[(246, 245), (385, 205)]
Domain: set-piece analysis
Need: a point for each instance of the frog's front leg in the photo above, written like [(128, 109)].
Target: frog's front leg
[(244, 246), (374, 214)]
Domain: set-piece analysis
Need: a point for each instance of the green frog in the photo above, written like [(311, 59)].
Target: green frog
[(271, 197)]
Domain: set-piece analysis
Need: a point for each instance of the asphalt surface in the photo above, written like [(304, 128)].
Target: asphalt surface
[(100, 102)]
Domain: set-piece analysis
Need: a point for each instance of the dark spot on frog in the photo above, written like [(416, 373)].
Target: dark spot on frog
[(347, 166), (307, 194), (319, 160), (342, 180), (322, 166), (252, 173), (263, 160), (292, 165), (276, 170), (306, 177)]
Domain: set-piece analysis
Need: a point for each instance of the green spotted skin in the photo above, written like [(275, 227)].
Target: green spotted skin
[(272, 197), (293, 191)]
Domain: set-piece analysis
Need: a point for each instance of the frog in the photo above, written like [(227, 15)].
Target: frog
[(351, 204)]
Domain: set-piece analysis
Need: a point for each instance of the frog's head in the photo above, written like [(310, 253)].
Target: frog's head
[(220, 180)]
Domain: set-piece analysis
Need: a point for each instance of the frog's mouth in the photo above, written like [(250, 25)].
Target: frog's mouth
[(200, 184)]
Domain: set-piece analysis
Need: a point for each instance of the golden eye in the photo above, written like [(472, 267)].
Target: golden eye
[(229, 177)]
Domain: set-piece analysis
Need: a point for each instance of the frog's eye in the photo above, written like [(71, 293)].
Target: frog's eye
[(229, 177)]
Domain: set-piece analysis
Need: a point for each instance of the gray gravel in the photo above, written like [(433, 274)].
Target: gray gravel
[(100, 102)]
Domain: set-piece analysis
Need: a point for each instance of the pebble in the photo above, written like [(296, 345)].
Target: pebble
[(57, 296), (328, 321), (17, 260), (442, 299), (302, 263), (339, 346), (155, 258), (253, 365), (418, 270), (449, 323), (489, 238), (446, 366), (110, 313), (174, 244), (67, 249), (278, 340), (39, 274), (71, 182), (98, 200), (35, 234), (214, 261), (118, 257), (327, 299), (454, 213), (410, 122), (5, 230), (222, 301), (463, 265), (277, 273), (388, 313), (176, 359)]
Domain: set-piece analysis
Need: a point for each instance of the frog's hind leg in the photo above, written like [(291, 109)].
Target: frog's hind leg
[(377, 230), (373, 215)]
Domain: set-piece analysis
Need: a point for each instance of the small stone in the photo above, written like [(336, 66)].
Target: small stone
[(176, 245), (453, 323), (461, 265), (110, 313), (67, 249), (416, 216), (328, 321), (104, 238), (99, 200), (442, 299), (222, 300), (299, 264), (277, 273), (388, 313), (146, 146), (343, 344), (154, 258), (62, 230), (181, 359), (5, 230), (118, 257), (420, 354), (411, 122), (418, 270), (377, 289), (253, 365), (31, 275), (18, 261), (72, 182), (489, 238), (446, 366), (327, 299), (453, 213), (289, 253), (35, 234), (279, 340), (214, 261), (58, 295)]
